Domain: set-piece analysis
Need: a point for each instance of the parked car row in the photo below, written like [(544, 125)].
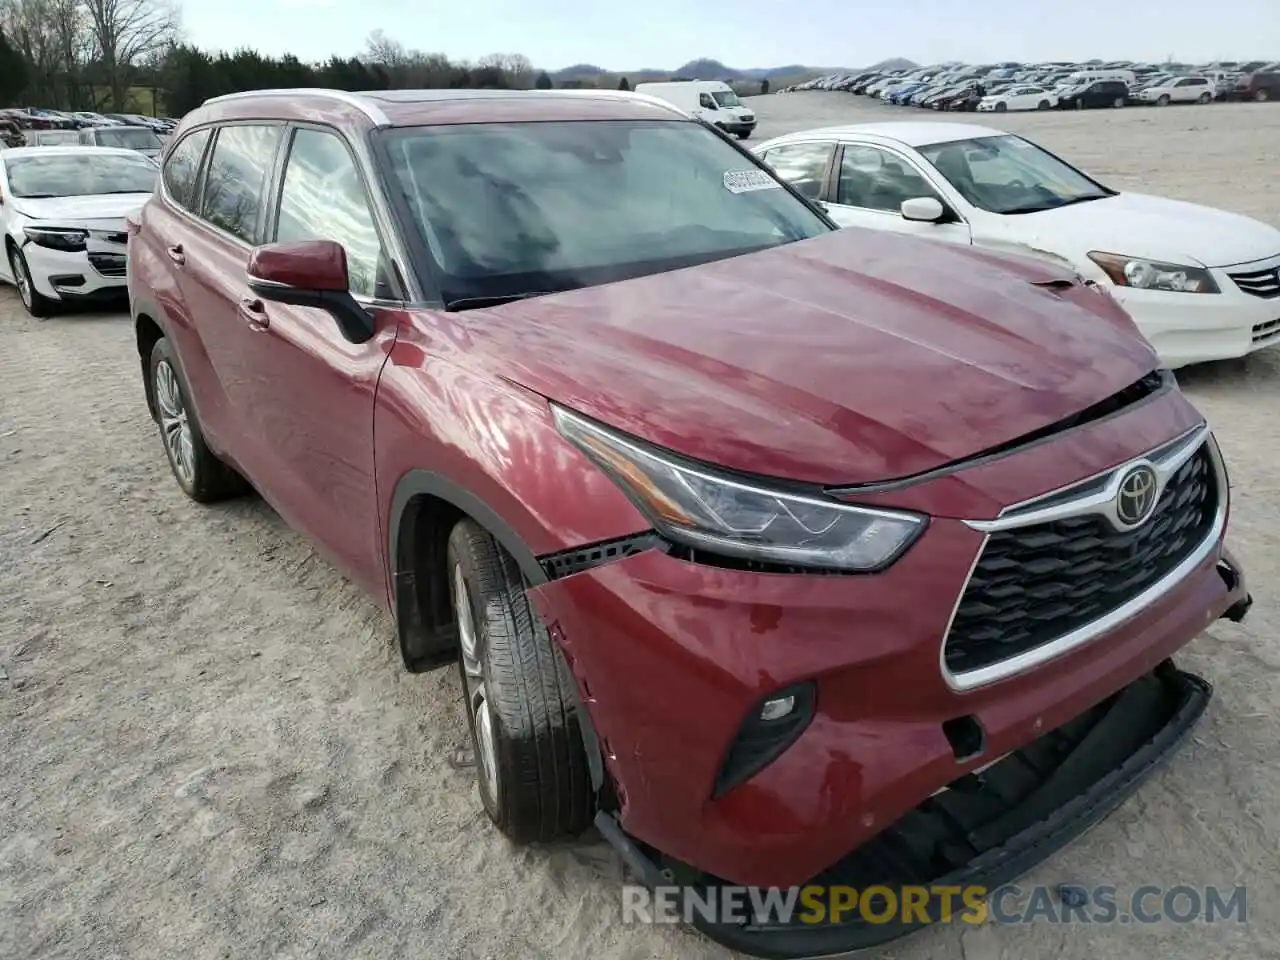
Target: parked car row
[(1008, 86), (37, 118)]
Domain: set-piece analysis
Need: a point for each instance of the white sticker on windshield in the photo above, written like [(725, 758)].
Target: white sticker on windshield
[(744, 181)]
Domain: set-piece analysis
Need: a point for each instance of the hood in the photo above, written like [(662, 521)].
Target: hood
[(853, 357), (1138, 225), (78, 209)]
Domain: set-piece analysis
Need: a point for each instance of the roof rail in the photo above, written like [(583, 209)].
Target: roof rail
[(622, 95), (360, 103)]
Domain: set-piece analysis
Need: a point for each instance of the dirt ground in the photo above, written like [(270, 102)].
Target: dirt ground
[(208, 748)]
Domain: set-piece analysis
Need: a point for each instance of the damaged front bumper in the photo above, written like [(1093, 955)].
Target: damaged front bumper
[(986, 828)]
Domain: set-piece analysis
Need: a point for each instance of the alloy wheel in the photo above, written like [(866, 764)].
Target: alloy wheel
[(174, 423), (473, 681), (21, 279)]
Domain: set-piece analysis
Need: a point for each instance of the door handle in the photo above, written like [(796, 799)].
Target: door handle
[(255, 313), (176, 254)]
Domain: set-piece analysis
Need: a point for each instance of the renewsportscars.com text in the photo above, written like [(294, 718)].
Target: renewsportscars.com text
[(1009, 904)]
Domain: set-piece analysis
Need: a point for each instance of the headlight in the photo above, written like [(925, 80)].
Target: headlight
[(57, 238), (693, 506), (1153, 275)]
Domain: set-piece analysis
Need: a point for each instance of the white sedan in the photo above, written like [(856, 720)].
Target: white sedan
[(1201, 284), (62, 214), (1019, 98)]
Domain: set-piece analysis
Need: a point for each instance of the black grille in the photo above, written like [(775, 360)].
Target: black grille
[(1036, 583), (108, 264), (1260, 283), (1265, 331)]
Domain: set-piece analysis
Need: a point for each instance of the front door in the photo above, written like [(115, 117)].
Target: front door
[(310, 390), (870, 186)]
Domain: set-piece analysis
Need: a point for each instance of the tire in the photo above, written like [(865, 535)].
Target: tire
[(534, 780), (200, 474), (1261, 96), (1163, 100), (744, 135), (1079, 104), (36, 303), (1042, 105), (1205, 98), (1118, 102), (1002, 107)]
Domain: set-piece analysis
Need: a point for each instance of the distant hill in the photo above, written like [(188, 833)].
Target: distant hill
[(706, 68)]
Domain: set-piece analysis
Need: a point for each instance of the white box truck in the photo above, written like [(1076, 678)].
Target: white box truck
[(711, 101)]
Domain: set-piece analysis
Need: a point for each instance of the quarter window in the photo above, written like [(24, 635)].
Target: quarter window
[(803, 165), (183, 166), (876, 179), (323, 198), (237, 174)]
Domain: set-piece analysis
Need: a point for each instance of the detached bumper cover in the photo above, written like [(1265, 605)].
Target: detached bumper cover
[(986, 829)]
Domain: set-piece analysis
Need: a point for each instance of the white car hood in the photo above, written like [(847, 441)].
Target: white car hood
[(1139, 225), (79, 209)]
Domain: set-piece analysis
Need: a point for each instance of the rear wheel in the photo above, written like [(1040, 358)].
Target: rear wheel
[(1262, 96), (744, 134), (534, 780), (1042, 105), (1205, 97), (37, 304), (199, 472)]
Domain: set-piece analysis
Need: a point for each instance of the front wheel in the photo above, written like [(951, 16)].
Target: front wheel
[(37, 304), (744, 134), (1118, 102), (1262, 96), (1001, 107), (1163, 100), (534, 780)]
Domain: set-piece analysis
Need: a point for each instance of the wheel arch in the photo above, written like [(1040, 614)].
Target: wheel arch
[(424, 509)]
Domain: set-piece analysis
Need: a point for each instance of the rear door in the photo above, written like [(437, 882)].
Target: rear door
[(308, 392), (805, 165), (211, 256)]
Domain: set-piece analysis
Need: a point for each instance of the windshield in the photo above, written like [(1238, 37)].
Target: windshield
[(130, 138), (518, 208), (80, 175), (1009, 175), (726, 98)]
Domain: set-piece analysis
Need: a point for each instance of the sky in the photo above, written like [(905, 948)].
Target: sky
[(632, 34)]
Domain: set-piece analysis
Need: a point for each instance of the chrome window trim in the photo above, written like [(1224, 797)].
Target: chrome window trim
[(1169, 458)]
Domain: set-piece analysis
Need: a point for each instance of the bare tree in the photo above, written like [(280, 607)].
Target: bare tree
[(386, 52), (126, 32), (51, 36)]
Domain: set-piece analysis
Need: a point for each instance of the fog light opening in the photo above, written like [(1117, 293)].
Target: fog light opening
[(777, 708), (966, 736)]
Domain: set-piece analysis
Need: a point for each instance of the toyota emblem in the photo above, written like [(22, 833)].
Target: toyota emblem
[(1137, 497)]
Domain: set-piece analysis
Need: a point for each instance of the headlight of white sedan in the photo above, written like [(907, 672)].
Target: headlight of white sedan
[(1143, 274)]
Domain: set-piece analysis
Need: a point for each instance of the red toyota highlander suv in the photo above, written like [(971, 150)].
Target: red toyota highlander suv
[(778, 552)]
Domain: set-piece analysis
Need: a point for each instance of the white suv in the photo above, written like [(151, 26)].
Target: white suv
[(1179, 90)]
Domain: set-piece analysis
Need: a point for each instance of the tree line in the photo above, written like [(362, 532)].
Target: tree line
[(129, 56)]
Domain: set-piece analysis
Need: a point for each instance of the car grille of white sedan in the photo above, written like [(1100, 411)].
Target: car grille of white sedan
[(1263, 282)]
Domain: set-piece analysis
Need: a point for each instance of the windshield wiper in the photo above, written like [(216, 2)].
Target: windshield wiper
[(35, 196), (1038, 207), (495, 300)]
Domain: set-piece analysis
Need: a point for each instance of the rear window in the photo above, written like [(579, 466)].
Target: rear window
[(535, 207), (129, 138)]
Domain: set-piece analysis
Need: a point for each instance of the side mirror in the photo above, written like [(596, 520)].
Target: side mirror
[(923, 209), (311, 273)]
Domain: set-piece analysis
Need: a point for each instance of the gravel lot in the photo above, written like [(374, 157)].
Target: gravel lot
[(208, 749)]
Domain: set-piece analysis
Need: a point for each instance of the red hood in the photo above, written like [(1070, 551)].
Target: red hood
[(854, 357)]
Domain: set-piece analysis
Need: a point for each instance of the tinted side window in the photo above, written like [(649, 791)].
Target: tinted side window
[(803, 165), (704, 100), (237, 174), (875, 179), (323, 198), (183, 166)]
